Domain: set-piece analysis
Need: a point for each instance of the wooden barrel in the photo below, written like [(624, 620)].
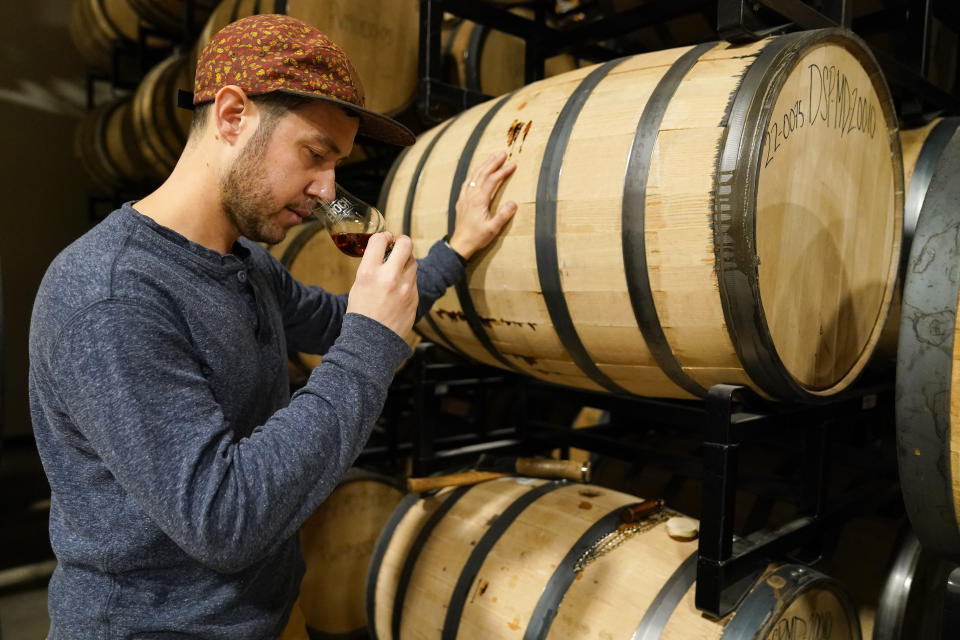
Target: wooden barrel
[(161, 126), (922, 147), (927, 407), (107, 148), (94, 25), (898, 585), (702, 215), (168, 17), (337, 542), (380, 36), (520, 557), (913, 594), (489, 61)]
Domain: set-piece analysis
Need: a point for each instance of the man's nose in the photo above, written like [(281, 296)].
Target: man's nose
[(323, 187)]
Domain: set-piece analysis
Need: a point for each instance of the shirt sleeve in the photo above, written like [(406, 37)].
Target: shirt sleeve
[(313, 317), (132, 384)]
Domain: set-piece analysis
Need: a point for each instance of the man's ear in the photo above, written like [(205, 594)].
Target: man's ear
[(233, 111)]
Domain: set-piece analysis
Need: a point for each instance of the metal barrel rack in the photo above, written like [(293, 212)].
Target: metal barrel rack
[(730, 418)]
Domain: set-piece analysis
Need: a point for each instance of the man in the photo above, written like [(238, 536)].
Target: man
[(179, 465)]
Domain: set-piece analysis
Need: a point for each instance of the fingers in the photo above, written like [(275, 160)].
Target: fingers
[(376, 247), (488, 176), (493, 180), (411, 264), (504, 213), (401, 254)]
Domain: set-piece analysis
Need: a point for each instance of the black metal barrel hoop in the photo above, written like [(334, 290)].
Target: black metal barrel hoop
[(736, 186), (761, 614), (911, 601), (925, 357)]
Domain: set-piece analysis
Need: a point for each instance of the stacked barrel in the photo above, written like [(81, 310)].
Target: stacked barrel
[(928, 353), (735, 212)]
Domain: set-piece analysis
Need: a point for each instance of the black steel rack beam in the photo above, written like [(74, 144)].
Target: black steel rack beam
[(646, 15), (542, 41), (730, 417), (725, 570)]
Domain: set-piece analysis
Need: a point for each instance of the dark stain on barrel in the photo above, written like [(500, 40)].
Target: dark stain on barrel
[(526, 130), (480, 590), (517, 131), (587, 493), (451, 315), (496, 322), (585, 505), (530, 361), (934, 328), (513, 131)]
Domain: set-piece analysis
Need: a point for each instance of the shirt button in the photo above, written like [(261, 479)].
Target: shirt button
[(242, 276)]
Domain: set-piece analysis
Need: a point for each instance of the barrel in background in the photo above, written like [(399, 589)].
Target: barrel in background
[(138, 138), (161, 126), (168, 16), (94, 25), (550, 560), (922, 149), (337, 542), (107, 147), (490, 61), (687, 217), (898, 585), (927, 404)]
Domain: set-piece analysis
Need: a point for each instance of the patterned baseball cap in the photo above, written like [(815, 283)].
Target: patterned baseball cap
[(268, 52)]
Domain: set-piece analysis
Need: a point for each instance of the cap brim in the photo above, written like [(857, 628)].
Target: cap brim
[(373, 125)]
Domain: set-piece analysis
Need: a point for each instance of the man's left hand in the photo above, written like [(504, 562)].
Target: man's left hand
[(476, 226)]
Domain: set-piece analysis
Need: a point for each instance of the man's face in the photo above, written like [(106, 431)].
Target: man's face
[(279, 175)]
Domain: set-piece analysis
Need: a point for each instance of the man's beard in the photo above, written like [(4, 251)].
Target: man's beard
[(246, 197)]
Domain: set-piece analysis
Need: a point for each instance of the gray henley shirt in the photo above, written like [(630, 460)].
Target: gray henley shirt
[(179, 465)]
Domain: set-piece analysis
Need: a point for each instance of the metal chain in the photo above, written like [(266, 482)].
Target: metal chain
[(617, 537)]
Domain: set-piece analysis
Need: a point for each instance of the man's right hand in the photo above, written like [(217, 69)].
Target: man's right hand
[(386, 290)]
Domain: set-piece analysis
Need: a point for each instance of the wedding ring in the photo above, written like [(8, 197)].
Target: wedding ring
[(472, 183)]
